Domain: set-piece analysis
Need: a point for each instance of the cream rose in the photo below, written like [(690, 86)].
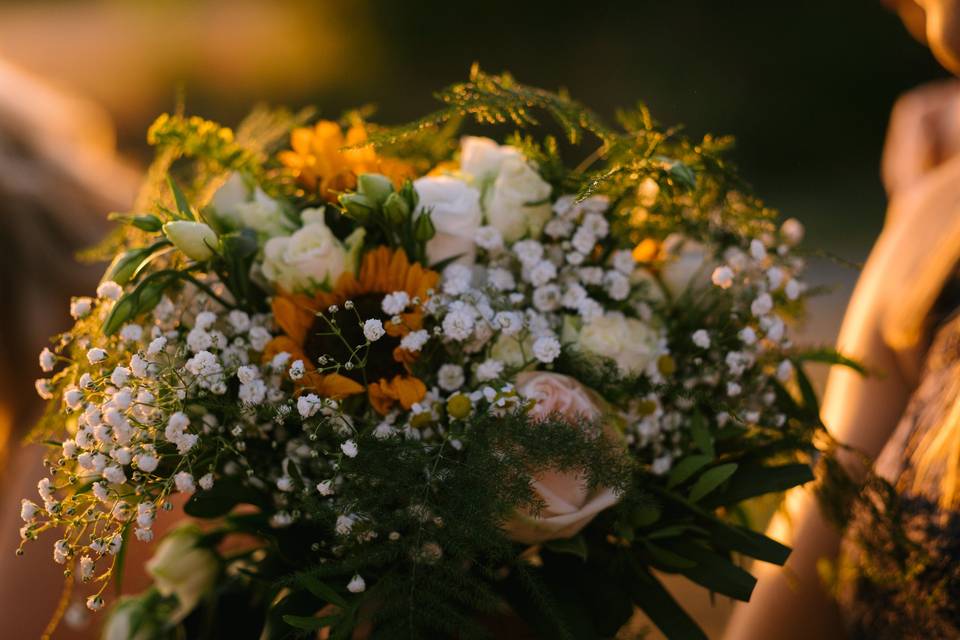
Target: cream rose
[(569, 504), (195, 239), (181, 568), (310, 257), (455, 211), (686, 266), (629, 342), (514, 195), (238, 208)]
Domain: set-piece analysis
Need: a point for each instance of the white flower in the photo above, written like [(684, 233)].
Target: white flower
[(454, 208), (196, 240), (785, 371), (325, 488), (701, 338), (309, 258), (661, 465), (591, 275), (489, 370), (259, 337), (395, 303), (629, 342), (762, 305), (792, 289), (528, 252), (120, 376), (541, 273), (583, 240), (94, 603), (516, 204), (47, 360), (792, 231), (775, 276), (344, 524), (748, 336), (156, 346), (722, 277), (415, 340), (450, 377), (356, 584), (72, 397), (757, 251), (184, 482), (28, 510), (373, 329), (459, 323), (96, 355), (547, 298), (182, 568), (623, 261), (510, 323), (206, 481), (138, 366), (733, 389), (308, 405), (349, 449), (501, 279), (109, 290), (247, 374), (114, 474), (546, 349), (146, 461), (617, 285), (488, 238), (685, 266), (482, 158), (252, 393), (297, 370), (80, 307)]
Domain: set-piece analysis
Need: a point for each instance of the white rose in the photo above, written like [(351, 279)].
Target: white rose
[(236, 206), (181, 568), (195, 239), (517, 202), (686, 265), (509, 184), (309, 258), (513, 352), (481, 158), (629, 342), (455, 211)]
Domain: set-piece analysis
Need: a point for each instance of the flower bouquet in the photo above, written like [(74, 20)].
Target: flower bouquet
[(409, 383)]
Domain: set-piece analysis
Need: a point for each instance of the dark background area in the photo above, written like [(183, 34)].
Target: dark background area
[(806, 87)]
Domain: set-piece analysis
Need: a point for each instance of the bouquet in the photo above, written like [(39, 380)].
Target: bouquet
[(411, 383)]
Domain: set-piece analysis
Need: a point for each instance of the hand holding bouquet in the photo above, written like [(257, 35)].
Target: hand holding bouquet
[(414, 381)]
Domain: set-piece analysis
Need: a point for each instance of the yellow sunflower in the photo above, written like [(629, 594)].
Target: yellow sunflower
[(322, 165), (387, 376)]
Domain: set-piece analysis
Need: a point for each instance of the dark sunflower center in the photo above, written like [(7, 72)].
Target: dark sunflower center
[(321, 341)]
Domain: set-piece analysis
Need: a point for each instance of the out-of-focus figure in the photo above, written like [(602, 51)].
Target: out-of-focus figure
[(59, 177), (896, 566)]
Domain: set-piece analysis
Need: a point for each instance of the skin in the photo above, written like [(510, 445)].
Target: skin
[(921, 167)]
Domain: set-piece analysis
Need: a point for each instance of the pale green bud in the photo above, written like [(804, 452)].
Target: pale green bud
[(195, 239)]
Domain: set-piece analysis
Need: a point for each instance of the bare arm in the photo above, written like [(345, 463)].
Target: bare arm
[(859, 411)]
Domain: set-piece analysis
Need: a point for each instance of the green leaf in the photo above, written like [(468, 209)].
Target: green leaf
[(668, 559), (700, 432), (320, 590), (183, 205), (716, 572), (757, 480), (239, 244), (710, 480), (149, 223), (686, 468), (124, 309), (575, 546), (832, 357), (811, 405), (648, 594), (309, 623), (645, 515)]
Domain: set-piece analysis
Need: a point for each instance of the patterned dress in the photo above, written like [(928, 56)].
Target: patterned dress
[(899, 570)]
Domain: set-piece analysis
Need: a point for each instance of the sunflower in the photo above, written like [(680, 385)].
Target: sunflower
[(387, 376), (322, 164)]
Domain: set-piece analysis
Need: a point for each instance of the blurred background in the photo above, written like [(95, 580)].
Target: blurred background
[(806, 87)]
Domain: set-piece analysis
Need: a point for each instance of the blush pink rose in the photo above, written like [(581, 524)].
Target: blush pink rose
[(568, 503)]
